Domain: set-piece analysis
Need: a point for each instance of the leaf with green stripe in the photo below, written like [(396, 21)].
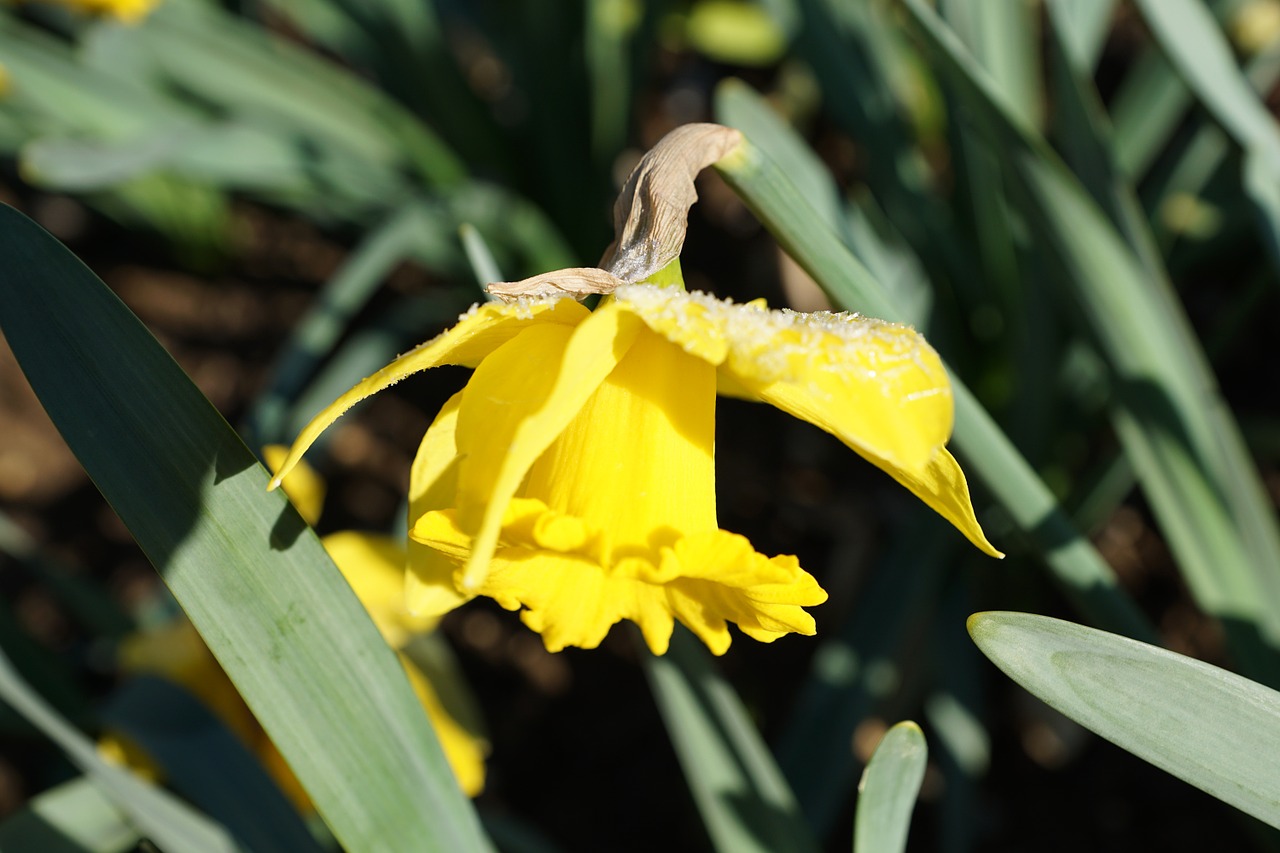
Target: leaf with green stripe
[(253, 578), (74, 817), (1191, 39), (157, 814), (888, 790), (744, 800), (1209, 727)]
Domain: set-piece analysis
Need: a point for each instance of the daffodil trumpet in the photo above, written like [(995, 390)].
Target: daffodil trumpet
[(573, 477)]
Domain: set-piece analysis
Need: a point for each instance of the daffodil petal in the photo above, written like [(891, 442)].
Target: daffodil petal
[(943, 487), (877, 386), (464, 751), (568, 600), (304, 487), (660, 399), (519, 400), (433, 476), (706, 581), (429, 587), (478, 333), (373, 565)]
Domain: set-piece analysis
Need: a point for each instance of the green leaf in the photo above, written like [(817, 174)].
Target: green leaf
[(1004, 35), (875, 92), (75, 817), (157, 814), (743, 798), (610, 30), (206, 764), (414, 230), (253, 578), (1084, 30), (858, 668), (1146, 110), (223, 61), (1191, 39), (1207, 726), (887, 792), (483, 265)]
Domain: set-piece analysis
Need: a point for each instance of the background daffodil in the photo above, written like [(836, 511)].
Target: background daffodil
[(128, 11), (573, 478)]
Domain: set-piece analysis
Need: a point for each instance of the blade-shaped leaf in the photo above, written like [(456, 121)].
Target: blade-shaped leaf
[(255, 581), (887, 792), (1191, 39), (743, 799), (159, 815), (74, 817), (202, 760), (1207, 726)]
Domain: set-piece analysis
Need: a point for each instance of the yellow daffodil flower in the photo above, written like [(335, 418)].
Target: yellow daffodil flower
[(573, 477)]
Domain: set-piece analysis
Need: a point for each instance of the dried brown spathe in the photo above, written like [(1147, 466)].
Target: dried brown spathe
[(650, 217)]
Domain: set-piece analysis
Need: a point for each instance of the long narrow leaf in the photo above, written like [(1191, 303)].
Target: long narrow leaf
[(210, 53), (1207, 726), (410, 231), (255, 581), (204, 762), (887, 793), (847, 681), (743, 798), (1193, 42), (1084, 30), (74, 817), (160, 816)]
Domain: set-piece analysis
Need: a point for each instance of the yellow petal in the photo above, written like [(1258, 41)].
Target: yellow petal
[(433, 484), (638, 461), (304, 487), (121, 750), (877, 386), (570, 601), (478, 333), (519, 400), (705, 580), (464, 751), (373, 565), (943, 487)]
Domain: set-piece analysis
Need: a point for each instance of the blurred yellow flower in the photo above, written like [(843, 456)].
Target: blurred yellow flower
[(574, 475), (5, 82), (129, 11), (305, 488)]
